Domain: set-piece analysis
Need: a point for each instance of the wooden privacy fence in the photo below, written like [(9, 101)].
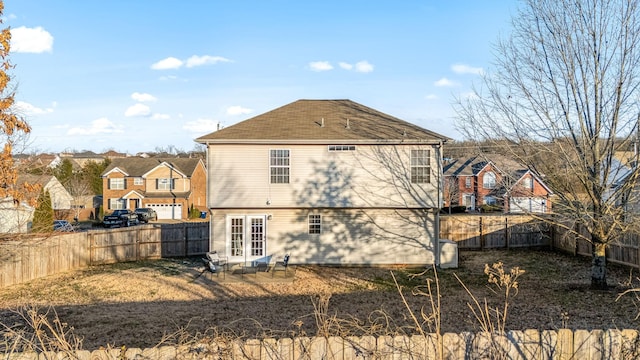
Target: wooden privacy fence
[(481, 232), (514, 345), (624, 251), (32, 258)]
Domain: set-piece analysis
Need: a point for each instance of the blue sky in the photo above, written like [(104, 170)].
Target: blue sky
[(135, 76)]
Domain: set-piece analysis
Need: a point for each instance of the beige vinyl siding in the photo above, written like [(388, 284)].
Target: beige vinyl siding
[(349, 237), (371, 176)]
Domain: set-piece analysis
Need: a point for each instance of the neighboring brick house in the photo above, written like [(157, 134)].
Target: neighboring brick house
[(327, 182), (168, 185), (477, 182)]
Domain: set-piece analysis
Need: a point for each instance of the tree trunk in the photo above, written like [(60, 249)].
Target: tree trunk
[(598, 266)]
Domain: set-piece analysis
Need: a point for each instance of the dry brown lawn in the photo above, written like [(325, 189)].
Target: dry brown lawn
[(139, 304)]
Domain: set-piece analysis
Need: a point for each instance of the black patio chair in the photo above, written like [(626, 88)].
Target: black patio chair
[(281, 265)]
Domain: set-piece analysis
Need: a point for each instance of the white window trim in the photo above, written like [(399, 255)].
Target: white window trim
[(116, 183), (116, 201), (417, 166), (164, 182), (278, 166), (138, 181), (314, 220), (489, 184), (336, 148)]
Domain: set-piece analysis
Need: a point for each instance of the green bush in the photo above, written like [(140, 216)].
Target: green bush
[(43, 214), (194, 213)]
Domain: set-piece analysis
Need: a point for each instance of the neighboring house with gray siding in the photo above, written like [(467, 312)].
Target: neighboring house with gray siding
[(326, 181)]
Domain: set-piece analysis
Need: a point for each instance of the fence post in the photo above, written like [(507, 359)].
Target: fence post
[(507, 234), (186, 240), (137, 247), (480, 226), (90, 237)]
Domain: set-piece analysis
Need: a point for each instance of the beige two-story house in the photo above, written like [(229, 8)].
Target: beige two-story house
[(327, 182), (169, 186)]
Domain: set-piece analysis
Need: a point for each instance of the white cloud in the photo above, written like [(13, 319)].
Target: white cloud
[(361, 66), (345, 65), (196, 60), (98, 126), (160, 117), (238, 110), (431, 97), (168, 78), (466, 69), (320, 66), (138, 110), (201, 126), (444, 82), (24, 108), (168, 63), (142, 97), (364, 67), (31, 40)]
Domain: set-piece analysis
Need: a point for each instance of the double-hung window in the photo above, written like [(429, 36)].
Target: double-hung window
[(420, 166), (116, 204), (165, 184), (116, 184), (489, 180), (279, 166), (315, 224)]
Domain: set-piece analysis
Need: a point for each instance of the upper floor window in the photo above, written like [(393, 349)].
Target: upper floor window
[(467, 182), (342, 147), (315, 224), (116, 184), (279, 164), (527, 183), (489, 180), (420, 166), (165, 184), (138, 181)]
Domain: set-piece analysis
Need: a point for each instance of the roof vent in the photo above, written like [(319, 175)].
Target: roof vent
[(322, 123), (348, 126)]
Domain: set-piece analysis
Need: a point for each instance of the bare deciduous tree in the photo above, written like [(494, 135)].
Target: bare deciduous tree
[(563, 99), (12, 126)]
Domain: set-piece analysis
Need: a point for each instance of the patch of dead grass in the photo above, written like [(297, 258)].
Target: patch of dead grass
[(138, 304)]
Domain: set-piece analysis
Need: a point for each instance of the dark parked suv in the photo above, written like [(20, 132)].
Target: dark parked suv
[(146, 214)]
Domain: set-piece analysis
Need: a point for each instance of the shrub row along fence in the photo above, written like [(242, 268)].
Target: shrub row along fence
[(515, 345), (29, 258)]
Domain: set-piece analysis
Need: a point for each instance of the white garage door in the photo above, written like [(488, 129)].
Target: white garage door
[(167, 211), (524, 204)]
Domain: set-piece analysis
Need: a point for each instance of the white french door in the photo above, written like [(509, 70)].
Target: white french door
[(246, 237)]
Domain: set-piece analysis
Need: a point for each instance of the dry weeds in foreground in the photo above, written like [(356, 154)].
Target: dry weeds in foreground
[(105, 306)]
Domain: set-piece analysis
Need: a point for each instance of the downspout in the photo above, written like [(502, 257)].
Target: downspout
[(437, 224), (208, 195)]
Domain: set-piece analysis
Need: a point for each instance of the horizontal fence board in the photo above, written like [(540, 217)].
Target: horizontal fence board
[(32, 257), (35, 257)]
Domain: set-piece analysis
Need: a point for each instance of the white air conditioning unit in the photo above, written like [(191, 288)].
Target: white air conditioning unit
[(448, 254)]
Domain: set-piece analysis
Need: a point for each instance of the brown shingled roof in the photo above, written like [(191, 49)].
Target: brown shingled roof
[(140, 166), (325, 121)]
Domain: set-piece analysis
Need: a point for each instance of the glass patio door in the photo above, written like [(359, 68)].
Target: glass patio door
[(246, 239)]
